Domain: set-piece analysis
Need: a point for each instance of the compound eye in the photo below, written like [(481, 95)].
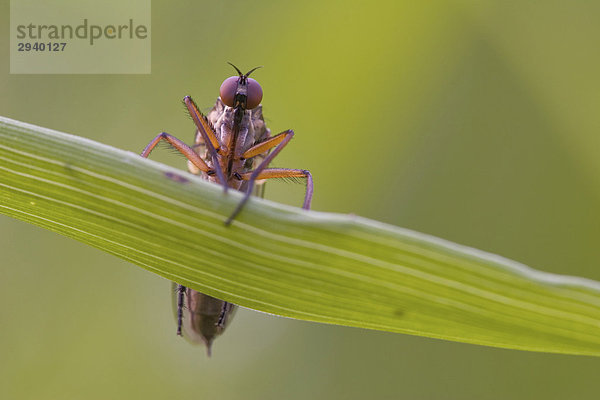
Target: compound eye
[(255, 94), (228, 89)]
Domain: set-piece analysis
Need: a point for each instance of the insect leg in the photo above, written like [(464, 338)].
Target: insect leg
[(280, 141), (180, 146), (209, 136), (270, 173), (180, 303), (223, 314), (266, 145)]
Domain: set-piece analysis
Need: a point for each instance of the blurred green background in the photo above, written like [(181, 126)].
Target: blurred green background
[(475, 121)]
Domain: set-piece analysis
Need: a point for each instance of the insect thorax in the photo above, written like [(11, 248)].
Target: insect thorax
[(251, 130)]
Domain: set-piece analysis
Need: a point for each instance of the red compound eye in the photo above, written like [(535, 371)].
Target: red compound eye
[(254, 94), (229, 88)]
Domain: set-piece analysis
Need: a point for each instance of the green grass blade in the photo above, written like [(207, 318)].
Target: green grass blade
[(329, 268)]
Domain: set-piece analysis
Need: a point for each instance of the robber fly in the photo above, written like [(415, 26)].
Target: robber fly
[(233, 147)]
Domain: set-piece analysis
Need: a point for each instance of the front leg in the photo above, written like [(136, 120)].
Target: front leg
[(209, 136)]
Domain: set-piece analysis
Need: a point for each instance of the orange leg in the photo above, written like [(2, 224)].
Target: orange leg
[(267, 144), (181, 147), (253, 175), (209, 136), (271, 173)]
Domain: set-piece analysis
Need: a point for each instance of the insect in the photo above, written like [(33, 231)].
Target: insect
[(233, 147)]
